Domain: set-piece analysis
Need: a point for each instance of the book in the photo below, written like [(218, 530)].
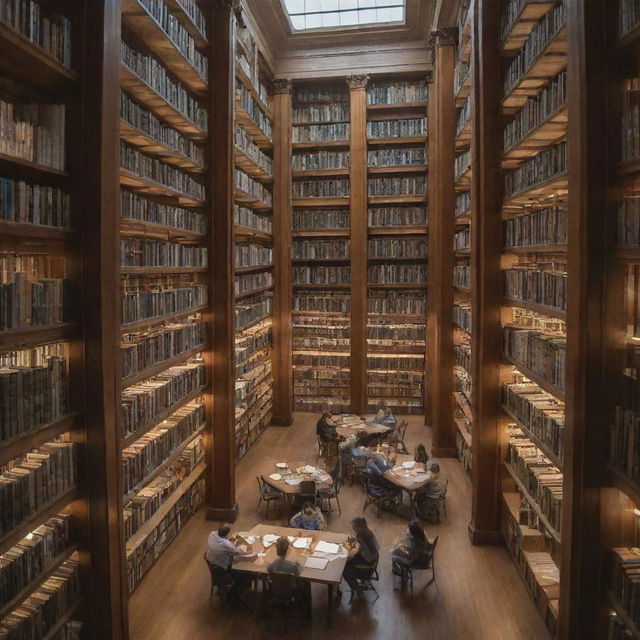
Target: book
[(547, 164), (251, 107), (397, 216), (628, 16), (335, 249), (37, 204), (246, 217), (628, 220), (396, 92), (252, 255), (136, 252), (405, 185), (542, 227), (319, 160), (320, 188), (320, 219), (245, 143), (398, 128)]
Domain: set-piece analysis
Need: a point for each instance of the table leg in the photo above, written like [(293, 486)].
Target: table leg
[(329, 605)]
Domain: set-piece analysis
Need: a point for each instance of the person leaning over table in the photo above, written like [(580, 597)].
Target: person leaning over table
[(363, 555), (282, 565), (220, 553), (310, 517)]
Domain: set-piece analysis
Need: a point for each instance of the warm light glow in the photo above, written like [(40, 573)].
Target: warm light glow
[(636, 512)]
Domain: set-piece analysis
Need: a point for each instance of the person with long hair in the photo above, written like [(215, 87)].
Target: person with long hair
[(363, 555), (410, 549)]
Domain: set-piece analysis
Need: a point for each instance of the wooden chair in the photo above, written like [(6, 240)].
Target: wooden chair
[(366, 583), (322, 448), (285, 596), (331, 493), (359, 471), (439, 504), (396, 438), (308, 492), (222, 586), (424, 563), (379, 495), (268, 495)]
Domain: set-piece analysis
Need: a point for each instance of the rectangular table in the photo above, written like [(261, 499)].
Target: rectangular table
[(406, 480), (370, 428), (331, 575)]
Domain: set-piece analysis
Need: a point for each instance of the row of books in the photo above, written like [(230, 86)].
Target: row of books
[(327, 112), (404, 185), (326, 301), (632, 281), (36, 616), (538, 411), (144, 120), (142, 403), (246, 436), (397, 302), (246, 217), (462, 164), (254, 188), (462, 276), (543, 354), (334, 327), (146, 348), (157, 445), (545, 165), (181, 38), (624, 435), (628, 223), (250, 105), (33, 131), (460, 74), (628, 16), (324, 188), (320, 159), (462, 356), (320, 132), (397, 216), (320, 219), (191, 8), (152, 496), (251, 341), (252, 255), (462, 240), (463, 203), (303, 341), (630, 120), (136, 252), (397, 92), (147, 305), (251, 282), (464, 115), (319, 95), (25, 202), (336, 249), (253, 310), (548, 288), (462, 382), (399, 128), (136, 207), (399, 406), (35, 479), (623, 570), (245, 143), (403, 156), (396, 362), (251, 377), (147, 167), (151, 70), (527, 319), (536, 110), (543, 227), (464, 452), (397, 273), (462, 316), (321, 359), (48, 30), (397, 248), (321, 275), (546, 28)]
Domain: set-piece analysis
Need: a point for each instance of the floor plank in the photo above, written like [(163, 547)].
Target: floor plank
[(478, 593)]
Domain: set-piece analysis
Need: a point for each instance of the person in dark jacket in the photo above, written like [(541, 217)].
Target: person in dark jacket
[(363, 555)]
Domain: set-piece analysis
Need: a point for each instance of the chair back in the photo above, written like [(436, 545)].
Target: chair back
[(283, 586), (402, 429), (260, 485), (308, 489)]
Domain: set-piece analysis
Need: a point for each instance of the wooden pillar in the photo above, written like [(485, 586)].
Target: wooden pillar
[(486, 277), (585, 418), (358, 240), (221, 455), (100, 231), (442, 118), (282, 239)]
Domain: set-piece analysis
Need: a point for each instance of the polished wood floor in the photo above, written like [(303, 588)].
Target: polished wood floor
[(478, 594)]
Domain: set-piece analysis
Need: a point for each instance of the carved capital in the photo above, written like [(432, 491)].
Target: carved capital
[(445, 37), (282, 85), (358, 81)]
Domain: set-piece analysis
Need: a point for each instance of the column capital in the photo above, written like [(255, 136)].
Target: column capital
[(444, 37), (282, 85), (359, 81)]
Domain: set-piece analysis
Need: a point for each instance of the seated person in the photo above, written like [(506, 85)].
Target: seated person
[(310, 517), (436, 481), (220, 553), (326, 429), (302, 590), (378, 464), (421, 454), (353, 447), (363, 555), (376, 467), (412, 548), (384, 416)]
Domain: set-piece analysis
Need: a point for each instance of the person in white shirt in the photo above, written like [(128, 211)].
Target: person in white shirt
[(221, 553)]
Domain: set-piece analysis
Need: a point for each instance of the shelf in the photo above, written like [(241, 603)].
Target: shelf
[(399, 199), (462, 289), (140, 431), (159, 367), (463, 139), (463, 431), (322, 233), (628, 169), (549, 63), (628, 39), (14, 339), (538, 308), (553, 129), (247, 200), (249, 166), (321, 173), (406, 140), (464, 90), (409, 317), (463, 218), (247, 294), (623, 615), (188, 23), (299, 285), (34, 234), (321, 144), (624, 483), (463, 181), (398, 106), (627, 253), (253, 323), (149, 145), (464, 405), (170, 317), (539, 443), (150, 187), (538, 248), (547, 189), (397, 231), (534, 377), (397, 259), (405, 168), (463, 253), (246, 81), (321, 202), (149, 525), (25, 60), (254, 269), (252, 128), (158, 105), (530, 13), (160, 270), (532, 503), (321, 314), (28, 169), (53, 632), (247, 233), (465, 37), (145, 27), (10, 449), (255, 354), (129, 227), (321, 260)]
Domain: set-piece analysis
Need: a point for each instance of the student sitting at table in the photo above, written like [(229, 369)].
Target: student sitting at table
[(410, 549), (310, 517), (384, 416), (326, 429), (377, 465), (220, 553), (436, 481), (363, 555), (421, 454), (302, 590)]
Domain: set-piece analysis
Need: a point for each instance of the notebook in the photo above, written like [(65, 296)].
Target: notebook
[(316, 563)]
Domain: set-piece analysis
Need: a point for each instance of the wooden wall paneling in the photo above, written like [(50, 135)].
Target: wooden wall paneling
[(282, 239), (439, 374), (585, 436), (221, 458), (358, 240), (107, 605), (486, 189)]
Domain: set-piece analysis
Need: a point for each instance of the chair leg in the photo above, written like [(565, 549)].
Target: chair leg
[(338, 503)]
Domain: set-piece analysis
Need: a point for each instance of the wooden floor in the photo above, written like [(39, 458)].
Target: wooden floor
[(478, 594)]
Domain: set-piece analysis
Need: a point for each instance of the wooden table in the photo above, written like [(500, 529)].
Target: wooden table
[(370, 428), (406, 480), (331, 575)]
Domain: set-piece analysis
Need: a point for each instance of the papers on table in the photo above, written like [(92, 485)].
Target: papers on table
[(249, 539), (307, 469), (293, 481), (275, 476), (327, 547), (316, 563), (409, 464), (269, 539), (301, 543), (281, 465)]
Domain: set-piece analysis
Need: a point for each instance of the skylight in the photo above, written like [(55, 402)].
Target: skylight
[(319, 14)]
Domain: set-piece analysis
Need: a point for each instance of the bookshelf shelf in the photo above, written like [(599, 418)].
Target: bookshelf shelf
[(322, 233), (465, 37), (13, 339), (129, 227), (463, 139), (398, 106), (463, 218), (247, 200), (254, 292), (321, 173), (155, 270), (463, 431), (320, 144), (320, 260), (156, 189), (397, 141), (464, 91), (402, 259), (548, 189), (246, 81), (561, 314), (145, 27), (34, 233), (411, 317), (255, 354), (159, 367), (250, 167), (397, 231), (630, 39), (463, 253), (398, 285), (252, 234), (153, 147), (300, 285), (158, 320), (399, 199), (62, 621), (252, 128), (538, 248), (626, 618), (534, 377), (530, 12), (188, 23), (627, 254), (321, 202), (160, 107), (31, 169), (464, 405), (628, 169), (625, 484), (462, 290), (406, 168), (253, 269)]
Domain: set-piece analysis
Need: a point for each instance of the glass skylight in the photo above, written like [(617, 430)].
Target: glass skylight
[(318, 14)]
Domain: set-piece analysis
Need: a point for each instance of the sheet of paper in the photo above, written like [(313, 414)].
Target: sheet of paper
[(327, 547), (301, 543), (316, 563)]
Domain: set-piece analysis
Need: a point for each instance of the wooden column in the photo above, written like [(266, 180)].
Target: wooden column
[(358, 240), (221, 455), (107, 603), (282, 239), (486, 277), (585, 419), (440, 357)]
